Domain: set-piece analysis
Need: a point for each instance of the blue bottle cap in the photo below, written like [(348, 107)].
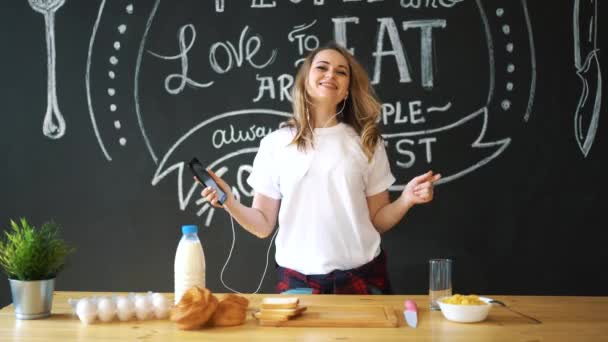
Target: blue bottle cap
[(189, 229)]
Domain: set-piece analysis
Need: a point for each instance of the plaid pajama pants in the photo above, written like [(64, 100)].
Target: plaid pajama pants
[(371, 278)]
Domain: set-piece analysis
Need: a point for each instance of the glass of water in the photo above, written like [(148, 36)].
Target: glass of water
[(440, 280)]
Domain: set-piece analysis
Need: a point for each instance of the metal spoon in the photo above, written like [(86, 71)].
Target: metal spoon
[(53, 125), (494, 301)]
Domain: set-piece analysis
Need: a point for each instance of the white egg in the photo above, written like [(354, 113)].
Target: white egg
[(86, 311), (124, 308), (106, 309), (143, 307), (73, 303), (161, 306)]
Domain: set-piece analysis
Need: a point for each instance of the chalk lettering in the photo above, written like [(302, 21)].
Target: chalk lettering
[(305, 42), (387, 25), (251, 47), (285, 83), (429, 3), (394, 111), (222, 137), (184, 48), (402, 151), (415, 112), (241, 176), (411, 156), (267, 86), (219, 5), (340, 31), (426, 47), (262, 4)]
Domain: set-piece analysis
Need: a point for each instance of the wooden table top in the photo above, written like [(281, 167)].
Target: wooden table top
[(563, 319)]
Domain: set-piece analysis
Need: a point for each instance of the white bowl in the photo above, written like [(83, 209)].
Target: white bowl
[(465, 313)]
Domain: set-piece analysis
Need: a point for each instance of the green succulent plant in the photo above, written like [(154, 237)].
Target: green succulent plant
[(30, 253)]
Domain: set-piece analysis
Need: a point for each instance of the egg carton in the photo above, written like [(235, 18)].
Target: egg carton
[(108, 308)]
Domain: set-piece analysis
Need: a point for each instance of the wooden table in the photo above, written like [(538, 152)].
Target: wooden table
[(564, 319)]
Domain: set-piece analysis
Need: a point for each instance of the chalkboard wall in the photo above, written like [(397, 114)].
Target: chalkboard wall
[(102, 105)]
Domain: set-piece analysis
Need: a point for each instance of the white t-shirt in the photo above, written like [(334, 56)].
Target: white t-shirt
[(324, 222)]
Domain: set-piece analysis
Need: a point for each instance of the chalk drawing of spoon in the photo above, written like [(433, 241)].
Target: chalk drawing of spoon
[(586, 61), (53, 125)]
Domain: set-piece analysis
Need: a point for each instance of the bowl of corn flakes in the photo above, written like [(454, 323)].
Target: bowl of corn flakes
[(465, 308)]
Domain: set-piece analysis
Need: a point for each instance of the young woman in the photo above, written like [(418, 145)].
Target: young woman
[(325, 175)]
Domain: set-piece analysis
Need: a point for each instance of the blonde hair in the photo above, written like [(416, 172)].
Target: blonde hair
[(361, 110)]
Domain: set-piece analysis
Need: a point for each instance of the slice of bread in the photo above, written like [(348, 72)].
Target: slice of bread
[(288, 312), (274, 310), (279, 303), (265, 316)]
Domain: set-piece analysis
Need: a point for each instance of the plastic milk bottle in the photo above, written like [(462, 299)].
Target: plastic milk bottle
[(189, 264)]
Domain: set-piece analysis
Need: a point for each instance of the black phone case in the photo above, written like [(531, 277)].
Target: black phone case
[(203, 176)]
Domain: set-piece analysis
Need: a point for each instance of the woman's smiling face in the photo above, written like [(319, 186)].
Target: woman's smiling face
[(328, 77)]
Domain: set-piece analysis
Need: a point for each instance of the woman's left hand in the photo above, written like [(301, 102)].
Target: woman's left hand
[(420, 189)]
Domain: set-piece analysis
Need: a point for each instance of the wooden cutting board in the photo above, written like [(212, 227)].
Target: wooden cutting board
[(361, 316)]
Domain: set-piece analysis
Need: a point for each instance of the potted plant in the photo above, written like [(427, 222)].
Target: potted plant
[(32, 257)]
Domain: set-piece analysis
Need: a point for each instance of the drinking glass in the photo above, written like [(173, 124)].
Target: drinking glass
[(440, 280)]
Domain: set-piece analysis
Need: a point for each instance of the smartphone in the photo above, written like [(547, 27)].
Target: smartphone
[(203, 176)]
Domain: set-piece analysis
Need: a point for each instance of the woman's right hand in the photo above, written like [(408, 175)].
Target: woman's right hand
[(210, 194)]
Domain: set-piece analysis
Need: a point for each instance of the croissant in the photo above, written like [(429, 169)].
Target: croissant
[(231, 310), (194, 309)]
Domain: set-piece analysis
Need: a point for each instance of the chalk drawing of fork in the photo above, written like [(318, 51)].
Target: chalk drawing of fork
[(587, 64), (53, 125)]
